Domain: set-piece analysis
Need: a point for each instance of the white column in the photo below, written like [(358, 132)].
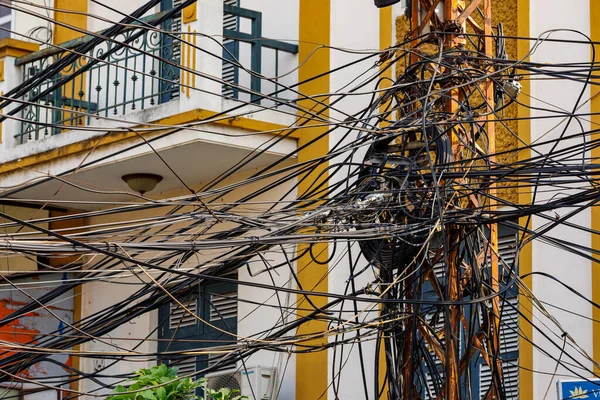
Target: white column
[(575, 271), (354, 25), (13, 76), (206, 32)]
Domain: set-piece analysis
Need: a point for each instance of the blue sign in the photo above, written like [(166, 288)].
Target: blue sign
[(579, 389)]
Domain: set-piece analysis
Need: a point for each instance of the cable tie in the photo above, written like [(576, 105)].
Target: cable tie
[(254, 241)]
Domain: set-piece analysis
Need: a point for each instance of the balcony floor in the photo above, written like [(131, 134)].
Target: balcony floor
[(195, 162)]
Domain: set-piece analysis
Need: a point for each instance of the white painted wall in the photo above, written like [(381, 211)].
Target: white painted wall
[(568, 268), (131, 336), (255, 317), (355, 26), (99, 295), (12, 76), (209, 27), (102, 17), (280, 22), (30, 15)]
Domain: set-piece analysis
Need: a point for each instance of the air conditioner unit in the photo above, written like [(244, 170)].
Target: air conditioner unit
[(231, 379), (258, 383)]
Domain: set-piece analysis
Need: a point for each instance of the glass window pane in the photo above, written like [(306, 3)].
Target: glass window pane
[(5, 31), (4, 10)]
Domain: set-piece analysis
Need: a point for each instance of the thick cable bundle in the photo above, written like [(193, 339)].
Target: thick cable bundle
[(392, 190)]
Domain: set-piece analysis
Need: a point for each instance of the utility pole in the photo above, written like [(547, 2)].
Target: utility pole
[(449, 19), (452, 328), (494, 340)]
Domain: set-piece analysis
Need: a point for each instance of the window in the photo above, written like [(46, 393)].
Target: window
[(231, 52), (215, 303), (479, 377), (5, 19), (509, 323)]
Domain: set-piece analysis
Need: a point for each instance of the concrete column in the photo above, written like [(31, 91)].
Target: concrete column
[(202, 27)]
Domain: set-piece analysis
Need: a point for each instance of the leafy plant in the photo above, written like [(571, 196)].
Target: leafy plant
[(224, 394), (162, 383)]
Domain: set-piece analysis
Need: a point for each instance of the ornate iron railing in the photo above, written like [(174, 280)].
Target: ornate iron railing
[(134, 77), (141, 74)]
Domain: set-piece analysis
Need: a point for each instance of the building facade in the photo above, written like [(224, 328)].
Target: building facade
[(151, 103)]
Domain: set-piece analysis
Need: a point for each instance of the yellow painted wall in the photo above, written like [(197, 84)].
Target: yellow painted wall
[(385, 41), (525, 257), (595, 122), (311, 368), (505, 11), (11, 261), (77, 19)]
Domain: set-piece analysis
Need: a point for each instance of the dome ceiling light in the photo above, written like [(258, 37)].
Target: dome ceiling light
[(385, 3), (142, 182)]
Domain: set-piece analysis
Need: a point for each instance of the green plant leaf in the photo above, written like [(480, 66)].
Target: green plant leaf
[(161, 393), (150, 381), (120, 389), (147, 394)]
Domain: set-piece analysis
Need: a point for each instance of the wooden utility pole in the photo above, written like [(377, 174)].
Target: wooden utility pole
[(453, 271), (493, 245), (456, 15)]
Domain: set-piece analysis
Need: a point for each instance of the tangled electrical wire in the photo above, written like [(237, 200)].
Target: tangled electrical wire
[(406, 199)]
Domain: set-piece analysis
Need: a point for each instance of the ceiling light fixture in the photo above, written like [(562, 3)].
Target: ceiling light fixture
[(385, 3), (141, 182)]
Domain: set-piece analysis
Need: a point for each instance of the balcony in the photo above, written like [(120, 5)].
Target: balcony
[(142, 68)]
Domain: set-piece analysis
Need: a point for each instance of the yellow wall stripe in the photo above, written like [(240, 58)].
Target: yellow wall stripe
[(77, 19), (311, 368), (63, 34), (188, 59), (385, 41), (525, 257), (194, 42), (184, 50), (595, 120)]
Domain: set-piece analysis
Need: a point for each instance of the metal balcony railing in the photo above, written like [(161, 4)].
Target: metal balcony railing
[(234, 41), (142, 74), (134, 77)]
